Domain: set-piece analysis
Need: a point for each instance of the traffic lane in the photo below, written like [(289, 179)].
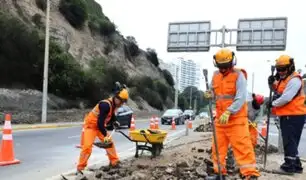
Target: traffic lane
[(52, 151), (273, 138)]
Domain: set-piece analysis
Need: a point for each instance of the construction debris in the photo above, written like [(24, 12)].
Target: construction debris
[(186, 158), (204, 128)]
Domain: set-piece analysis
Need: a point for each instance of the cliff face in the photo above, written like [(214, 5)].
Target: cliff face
[(84, 45)]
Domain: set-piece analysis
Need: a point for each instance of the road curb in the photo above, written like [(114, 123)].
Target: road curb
[(43, 126)]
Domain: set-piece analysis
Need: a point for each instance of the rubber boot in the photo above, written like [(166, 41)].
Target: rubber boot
[(216, 177), (288, 166), (298, 166)]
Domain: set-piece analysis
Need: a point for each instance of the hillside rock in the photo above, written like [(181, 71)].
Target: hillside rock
[(84, 46)]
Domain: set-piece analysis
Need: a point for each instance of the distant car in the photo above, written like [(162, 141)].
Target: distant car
[(189, 114), (203, 115), (124, 116), (177, 114)]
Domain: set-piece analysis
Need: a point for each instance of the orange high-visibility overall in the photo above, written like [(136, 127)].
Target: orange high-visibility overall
[(254, 135), (236, 132), (91, 131)]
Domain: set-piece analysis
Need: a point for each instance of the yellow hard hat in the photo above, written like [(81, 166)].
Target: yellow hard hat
[(284, 60), (224, 56), (123, 95)]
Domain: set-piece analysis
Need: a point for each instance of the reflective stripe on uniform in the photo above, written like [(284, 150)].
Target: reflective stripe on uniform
[(247, 166), (224, 97), (95, 112), (291, 158)]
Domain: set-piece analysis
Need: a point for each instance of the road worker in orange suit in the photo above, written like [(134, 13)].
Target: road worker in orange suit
[(288, 105), (95, 126), (253, 111), (229, 89)]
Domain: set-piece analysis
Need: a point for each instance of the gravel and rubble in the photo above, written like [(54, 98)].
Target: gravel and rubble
[(187, 157)]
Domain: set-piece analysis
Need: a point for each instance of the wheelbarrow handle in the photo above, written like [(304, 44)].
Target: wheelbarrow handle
[(124, 135), (142, 132)]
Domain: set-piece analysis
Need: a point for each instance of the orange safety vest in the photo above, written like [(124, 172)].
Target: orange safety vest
[(296, 105), (224, 88), (92, 117)]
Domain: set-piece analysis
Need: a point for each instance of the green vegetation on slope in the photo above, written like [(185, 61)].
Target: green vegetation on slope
[(22, 53)]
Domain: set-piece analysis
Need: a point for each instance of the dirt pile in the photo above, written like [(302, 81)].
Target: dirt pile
[(185, 158), (204, 128)]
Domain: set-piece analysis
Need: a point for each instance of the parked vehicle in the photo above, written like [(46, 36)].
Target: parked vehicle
[(189, 114), (177, 114), (203, 115), (124, 116)]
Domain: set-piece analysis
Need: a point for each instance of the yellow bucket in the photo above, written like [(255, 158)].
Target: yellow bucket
[(158, 136)]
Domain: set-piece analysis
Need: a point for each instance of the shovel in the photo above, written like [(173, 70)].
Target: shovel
[(105, 145)]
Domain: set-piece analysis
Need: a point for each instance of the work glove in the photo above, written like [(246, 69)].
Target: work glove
[(116, 124), (107, 139), (269, 104), (208, 94), (224, 117), (253, 124)]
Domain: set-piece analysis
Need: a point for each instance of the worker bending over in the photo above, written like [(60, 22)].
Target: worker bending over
[(95, 126), (253, 112), (230, 90), (288, 104)]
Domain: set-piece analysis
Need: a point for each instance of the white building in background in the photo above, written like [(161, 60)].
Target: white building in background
[(189, 72)]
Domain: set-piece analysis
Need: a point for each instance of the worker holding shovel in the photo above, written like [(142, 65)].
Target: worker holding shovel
[(288, 104), (229, 89), (95, 126), (253, 111)]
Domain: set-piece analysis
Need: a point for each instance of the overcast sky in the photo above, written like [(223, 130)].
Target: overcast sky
[(148, 20)]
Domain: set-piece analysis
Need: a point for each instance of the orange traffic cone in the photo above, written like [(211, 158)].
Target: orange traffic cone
[(264, 129), (82, 139), (132, 127), (152, 123), (189, 124), (7, 145), (173, 126), (156, 123)]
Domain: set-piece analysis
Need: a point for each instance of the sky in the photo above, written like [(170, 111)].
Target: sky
[(148, 21)]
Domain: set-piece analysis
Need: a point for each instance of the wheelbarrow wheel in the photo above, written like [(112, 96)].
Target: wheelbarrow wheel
[(156, 149)]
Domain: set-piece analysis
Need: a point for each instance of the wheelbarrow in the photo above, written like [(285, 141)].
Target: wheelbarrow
[(152, 139)]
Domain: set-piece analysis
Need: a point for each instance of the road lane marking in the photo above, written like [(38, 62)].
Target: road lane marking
[(76, 136)]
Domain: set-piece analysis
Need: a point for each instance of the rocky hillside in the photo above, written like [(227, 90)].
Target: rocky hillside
[(87, 55)]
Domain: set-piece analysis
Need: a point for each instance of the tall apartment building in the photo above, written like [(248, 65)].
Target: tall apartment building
[(188, 73)]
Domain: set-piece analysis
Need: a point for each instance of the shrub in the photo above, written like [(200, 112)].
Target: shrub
[(75, 11), (132, 46), (152, 56), (20, 57), (102, 78), (168, 77), (107, 28), (162, 89), (41, 4), (37, 20), (153, 98)]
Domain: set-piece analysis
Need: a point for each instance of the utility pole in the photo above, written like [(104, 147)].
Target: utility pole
[(253, 80), (190, 100), (46, 67), (177, 87)]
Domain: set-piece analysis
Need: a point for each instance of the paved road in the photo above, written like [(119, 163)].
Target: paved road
[(47, 152), (273, 138)]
